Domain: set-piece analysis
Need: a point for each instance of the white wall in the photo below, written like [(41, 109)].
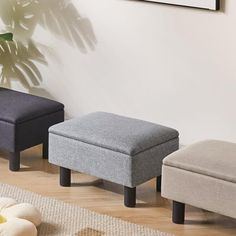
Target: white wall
[(171, 65)]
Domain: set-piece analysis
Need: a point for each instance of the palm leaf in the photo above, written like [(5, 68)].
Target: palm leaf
[(6, 37)]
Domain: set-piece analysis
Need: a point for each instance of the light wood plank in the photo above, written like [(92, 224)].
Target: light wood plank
[(38, 176)]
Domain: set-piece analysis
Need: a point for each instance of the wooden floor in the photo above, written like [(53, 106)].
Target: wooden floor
[(38, 176)]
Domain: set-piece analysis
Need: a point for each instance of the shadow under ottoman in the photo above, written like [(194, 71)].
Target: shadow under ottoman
[(118, 149), (24, 122)]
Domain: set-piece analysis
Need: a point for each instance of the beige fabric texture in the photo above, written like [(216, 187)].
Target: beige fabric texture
[(211, 157), (64, 219), (199, 190)]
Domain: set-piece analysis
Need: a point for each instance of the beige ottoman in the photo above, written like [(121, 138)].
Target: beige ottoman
[(202, 175)]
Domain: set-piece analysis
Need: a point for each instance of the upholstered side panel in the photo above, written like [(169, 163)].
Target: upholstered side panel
[(199, 190), (7, 136), (107, 164), (35, 131), (93, 160), (148, 164)]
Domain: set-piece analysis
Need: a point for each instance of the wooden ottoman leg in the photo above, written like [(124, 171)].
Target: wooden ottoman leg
[(45, 148), (65, 177), (129, 196), (14, 161), (158, 184), (178, 212)]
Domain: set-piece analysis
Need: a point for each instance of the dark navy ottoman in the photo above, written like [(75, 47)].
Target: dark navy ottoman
[(24, 122)]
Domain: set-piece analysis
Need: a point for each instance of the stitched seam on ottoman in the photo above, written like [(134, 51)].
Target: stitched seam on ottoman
[(59, 135), (190, 171), (36, 117), (100, 146), (147, 149)]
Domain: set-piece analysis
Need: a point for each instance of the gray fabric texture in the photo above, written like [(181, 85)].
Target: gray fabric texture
[(125, 135), (199, 190), (211, 157), (108, 164)]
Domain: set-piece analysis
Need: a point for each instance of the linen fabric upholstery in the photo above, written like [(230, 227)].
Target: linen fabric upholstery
[(119, 149), (211, 157), (122, 134), (202, 175), (17, 107), (25, 119)]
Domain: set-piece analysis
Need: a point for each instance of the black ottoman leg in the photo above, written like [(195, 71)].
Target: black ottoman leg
[(158, 184), (14, 161), (178, 212), (65, 177), (129, 196), (45, 148)]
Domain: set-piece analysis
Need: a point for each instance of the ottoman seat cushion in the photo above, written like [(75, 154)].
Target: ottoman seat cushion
[(211, 158), (119, 149), (17, 107), (114, 132)]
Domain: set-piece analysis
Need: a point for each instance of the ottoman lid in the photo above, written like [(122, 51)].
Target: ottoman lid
[(121, 134), (211, 157), (16, 107)]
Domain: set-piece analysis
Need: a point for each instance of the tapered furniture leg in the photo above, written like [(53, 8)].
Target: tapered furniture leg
[(14, 161), (158, 184), (65, 177), (45, 149), (178, 212), (129, 196)]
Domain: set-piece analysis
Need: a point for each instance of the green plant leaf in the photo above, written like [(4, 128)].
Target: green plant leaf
[(6, 37)]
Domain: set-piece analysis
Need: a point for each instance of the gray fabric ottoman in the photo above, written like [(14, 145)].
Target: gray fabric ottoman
[(118, 149), (202, 175), (24, 122)]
